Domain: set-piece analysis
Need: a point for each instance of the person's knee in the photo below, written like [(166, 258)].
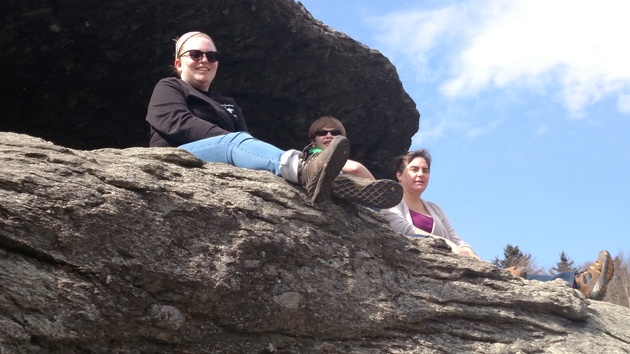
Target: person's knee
[(236, 138)]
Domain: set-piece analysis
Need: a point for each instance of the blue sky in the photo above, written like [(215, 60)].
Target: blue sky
[(525, 107)]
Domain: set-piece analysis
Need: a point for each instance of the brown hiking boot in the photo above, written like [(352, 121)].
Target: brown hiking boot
[(381, 193), (517, 272), (593, 281), (319, 170)]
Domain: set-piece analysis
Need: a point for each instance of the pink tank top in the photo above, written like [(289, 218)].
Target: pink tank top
[(421, 221)]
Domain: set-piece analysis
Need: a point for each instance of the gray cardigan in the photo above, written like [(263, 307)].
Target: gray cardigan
[(400, 221)]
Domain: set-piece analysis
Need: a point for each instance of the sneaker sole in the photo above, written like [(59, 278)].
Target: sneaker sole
[(381, 193), (332, 168), (598, 290)]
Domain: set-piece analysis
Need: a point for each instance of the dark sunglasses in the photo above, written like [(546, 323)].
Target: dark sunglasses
[(325, 132), (196, 55)]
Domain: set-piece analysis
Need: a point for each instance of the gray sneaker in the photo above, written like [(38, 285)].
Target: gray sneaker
[(380, 193)]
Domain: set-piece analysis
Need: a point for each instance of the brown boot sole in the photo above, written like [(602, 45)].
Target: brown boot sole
[(381, 193), (336, 160), (597, 290)]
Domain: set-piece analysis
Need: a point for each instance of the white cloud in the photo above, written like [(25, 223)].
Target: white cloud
[(576, 49), (623, 103), (434, 129), (482, 130)]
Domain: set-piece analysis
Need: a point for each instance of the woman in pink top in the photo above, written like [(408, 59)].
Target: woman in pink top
[(415, 216)]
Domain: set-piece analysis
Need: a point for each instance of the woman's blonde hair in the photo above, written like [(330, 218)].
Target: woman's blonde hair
[(179, 44)]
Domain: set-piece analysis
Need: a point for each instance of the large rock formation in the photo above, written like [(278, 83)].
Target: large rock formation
[(145, 250), (80, 73)]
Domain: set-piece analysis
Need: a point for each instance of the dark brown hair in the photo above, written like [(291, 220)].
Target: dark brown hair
[(403, 160)]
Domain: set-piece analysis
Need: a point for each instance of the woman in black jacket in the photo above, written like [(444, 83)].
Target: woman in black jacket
[(185, 112)]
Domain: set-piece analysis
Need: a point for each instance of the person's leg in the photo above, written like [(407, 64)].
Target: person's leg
[(319, 170), (290, 165), (238, 149), (381, 193), (593, 281), (569, 277), (242, 150)]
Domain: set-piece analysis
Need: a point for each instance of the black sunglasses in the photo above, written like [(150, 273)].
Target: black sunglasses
[(196, 55), (325, 132)]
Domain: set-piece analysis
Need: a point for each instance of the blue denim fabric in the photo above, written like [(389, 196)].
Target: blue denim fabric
[(238, 149), (569, 277)]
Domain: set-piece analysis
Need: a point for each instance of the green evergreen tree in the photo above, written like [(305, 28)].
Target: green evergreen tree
[(564, 265), (512, 256)]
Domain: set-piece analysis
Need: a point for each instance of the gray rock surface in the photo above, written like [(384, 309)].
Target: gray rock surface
[(80, 73), (145, 250)]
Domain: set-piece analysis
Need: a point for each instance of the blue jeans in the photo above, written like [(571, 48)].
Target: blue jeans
[(569, 277), (237, 149)]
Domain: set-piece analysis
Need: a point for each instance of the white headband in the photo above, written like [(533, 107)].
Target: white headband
[(181, 40)]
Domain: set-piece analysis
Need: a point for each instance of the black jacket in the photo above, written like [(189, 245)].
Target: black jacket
[(180, 114)]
